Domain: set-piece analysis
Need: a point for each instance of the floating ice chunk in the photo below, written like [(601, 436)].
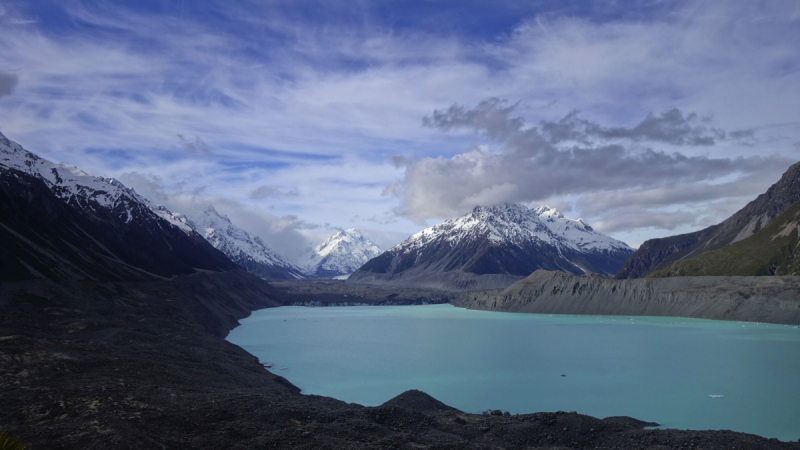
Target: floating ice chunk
[(716, 396)]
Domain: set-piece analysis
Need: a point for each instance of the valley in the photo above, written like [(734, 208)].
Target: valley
[(416, 225), (115, 309)]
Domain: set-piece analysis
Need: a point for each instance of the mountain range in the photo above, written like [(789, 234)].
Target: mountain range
[(339, 255), (97, 217), (503, 243), (241, 247), (107, 207)]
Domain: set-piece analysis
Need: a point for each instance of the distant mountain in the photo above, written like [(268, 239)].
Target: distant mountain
[(658, 254), (341, 254), (509, 241), (247, 251), (59, 222), (772, 250)]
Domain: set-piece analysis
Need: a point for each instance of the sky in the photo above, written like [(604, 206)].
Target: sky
[(297, 118)]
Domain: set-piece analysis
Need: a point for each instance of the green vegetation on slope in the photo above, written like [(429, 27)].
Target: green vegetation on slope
[(660, 253), (772, 250), (9, 443)]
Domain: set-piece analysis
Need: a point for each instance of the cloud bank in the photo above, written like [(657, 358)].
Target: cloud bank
[(610, 172)]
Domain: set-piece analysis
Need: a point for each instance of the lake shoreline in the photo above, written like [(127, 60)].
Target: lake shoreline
[(305, 345), (133, 364)]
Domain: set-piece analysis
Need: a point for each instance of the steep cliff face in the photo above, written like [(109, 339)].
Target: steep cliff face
[(773, 299), (658, 254)]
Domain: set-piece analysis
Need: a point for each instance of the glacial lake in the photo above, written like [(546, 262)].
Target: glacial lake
[(657, 369)]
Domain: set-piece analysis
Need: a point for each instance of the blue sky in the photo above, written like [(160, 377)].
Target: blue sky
[(298, 117)]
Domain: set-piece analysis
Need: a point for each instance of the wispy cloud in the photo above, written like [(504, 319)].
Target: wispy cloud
[(194, 146), (312, 98)]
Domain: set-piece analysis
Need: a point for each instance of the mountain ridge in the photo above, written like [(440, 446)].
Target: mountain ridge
[(61, 223), (772, 250), (508, 240), (658, 254), (249, 252)]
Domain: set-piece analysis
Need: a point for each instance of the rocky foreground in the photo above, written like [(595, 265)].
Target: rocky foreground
[(751, 299), (145, 365)]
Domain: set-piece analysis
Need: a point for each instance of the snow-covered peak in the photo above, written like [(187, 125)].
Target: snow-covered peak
[(73, 185), (340, 254), (547, 212), (515, 223), (235, 242), (344, 241)]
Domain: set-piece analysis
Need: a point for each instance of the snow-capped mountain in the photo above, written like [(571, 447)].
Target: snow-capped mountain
[(340, 254), (248, 251), (78, 187), (509, 239), (104, 230)]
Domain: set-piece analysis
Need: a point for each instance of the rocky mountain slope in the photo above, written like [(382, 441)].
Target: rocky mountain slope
[(658, 254), (341, 254), (247, 251), (772, 250), (60, 223), (757, 299), (505, 242)]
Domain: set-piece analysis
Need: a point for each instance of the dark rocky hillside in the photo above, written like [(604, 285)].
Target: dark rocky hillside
[(658, 254), (131, 365), (268, 272), (41, 236)]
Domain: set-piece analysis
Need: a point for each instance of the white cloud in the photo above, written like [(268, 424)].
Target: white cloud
[(319, 114)]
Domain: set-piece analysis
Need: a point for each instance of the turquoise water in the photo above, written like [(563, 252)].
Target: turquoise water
[(651, 368)]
